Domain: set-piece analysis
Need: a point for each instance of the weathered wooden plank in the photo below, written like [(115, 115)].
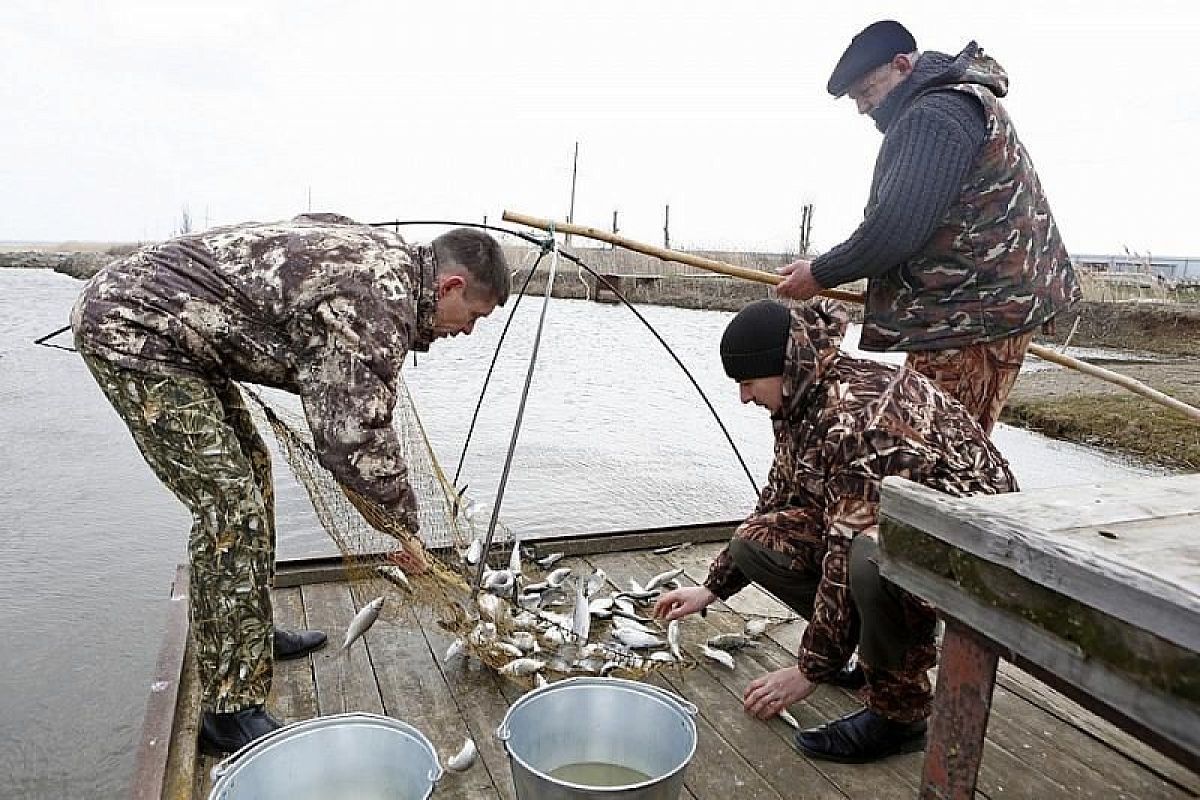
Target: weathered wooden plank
[(414, 690), (150, 760), (636, 539), (293, 688), (181, 762), (344, 679), (1168, 721), (1166, 606)]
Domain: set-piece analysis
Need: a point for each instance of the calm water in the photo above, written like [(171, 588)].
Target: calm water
[(613, 437)]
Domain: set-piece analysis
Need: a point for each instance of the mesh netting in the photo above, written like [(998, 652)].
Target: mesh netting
[(531, 621)]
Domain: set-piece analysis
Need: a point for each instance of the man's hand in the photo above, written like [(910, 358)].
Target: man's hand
[(766, 696), (799, 283), (679, 603)]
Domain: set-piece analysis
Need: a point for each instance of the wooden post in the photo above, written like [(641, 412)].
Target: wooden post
[(613, 245), (963, 701), (667, 227), (574, 172)]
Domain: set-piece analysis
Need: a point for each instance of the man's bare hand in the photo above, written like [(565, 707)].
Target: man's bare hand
[(799, 283), (769, 694), (679, 603)]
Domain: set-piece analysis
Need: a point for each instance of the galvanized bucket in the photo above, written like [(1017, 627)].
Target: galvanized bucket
[(607, 721), (364, 756)]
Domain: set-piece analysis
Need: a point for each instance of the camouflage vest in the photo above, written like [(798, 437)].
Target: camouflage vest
[(995, 267)]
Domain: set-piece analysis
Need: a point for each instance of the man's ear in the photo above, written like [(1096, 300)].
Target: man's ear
[(450, 282)]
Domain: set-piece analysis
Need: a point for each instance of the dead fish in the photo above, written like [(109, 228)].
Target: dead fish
[(556, 578), (720, 656), (464, 758), (549, 560), (756, 627), (596, 582), (474, 552), (524, 640), (514, 560), (363, 620), (663, 578), (625, 622), (499, 582), (787, 717), (554, 637), (671, 548), (482, 633), (608, 668), (539, 680), (522, 666), (509, 649), (730, 642), (673, 639), (636, 588), (662, 656), (635, 639), (456, 648), (581, 618), (601, 607), (394, 574), (536, 588)]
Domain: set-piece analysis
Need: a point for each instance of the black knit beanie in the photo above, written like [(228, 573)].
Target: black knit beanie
[(755, 341)]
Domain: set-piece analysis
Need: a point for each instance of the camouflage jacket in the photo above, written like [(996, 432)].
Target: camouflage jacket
[(845, 425), (996, 265), (319, 306)]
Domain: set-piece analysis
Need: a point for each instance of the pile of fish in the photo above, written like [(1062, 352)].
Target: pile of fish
[(566, 623)]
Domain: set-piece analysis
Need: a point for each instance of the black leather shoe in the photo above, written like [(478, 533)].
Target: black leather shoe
[(227, 733), (849, 677), (861, 737), (296, 645)]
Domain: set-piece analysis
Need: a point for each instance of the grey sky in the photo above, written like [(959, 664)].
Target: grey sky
[(119, 113)]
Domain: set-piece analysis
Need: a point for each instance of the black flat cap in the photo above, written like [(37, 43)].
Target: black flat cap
[(874, 45)]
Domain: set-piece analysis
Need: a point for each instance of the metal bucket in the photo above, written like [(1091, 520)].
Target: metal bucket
[(607, 721), (361, 756)]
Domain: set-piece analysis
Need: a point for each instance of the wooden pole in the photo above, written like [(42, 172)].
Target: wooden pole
[(759, 276), (574, 172), (667, 226)]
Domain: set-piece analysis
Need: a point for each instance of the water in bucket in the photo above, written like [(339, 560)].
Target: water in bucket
[(598, 773)]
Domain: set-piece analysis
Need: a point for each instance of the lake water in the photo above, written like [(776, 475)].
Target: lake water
[(614, 437)]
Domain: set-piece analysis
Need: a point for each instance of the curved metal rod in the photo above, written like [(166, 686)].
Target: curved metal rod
[(531, 239)]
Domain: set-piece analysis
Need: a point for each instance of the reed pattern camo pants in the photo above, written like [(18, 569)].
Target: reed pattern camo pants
[(201, 442), (980, 376), (895, 629)]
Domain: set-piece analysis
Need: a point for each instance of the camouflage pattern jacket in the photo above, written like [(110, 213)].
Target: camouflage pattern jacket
[(996, 265), (845, 425), (319, 306)]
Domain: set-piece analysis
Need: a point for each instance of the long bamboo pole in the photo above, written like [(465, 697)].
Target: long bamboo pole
[(759, 276)]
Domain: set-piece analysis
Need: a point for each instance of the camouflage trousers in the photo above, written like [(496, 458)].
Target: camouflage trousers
[(894, 629), (201, 442), (980, 376)]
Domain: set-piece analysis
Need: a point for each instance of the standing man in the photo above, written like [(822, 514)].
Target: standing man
[(962, 256), (842, 424), (319, 306)]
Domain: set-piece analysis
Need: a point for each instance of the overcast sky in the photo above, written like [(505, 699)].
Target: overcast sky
[(118, 114)]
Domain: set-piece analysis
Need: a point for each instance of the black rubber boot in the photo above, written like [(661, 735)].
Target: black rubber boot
[(226, 733), (861, 737), (296, 645)]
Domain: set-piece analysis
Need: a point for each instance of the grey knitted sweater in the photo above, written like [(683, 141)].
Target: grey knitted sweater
[(928, 148)]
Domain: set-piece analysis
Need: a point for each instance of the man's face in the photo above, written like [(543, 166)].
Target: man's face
[(458, 308), (869, 91), (765, 392)]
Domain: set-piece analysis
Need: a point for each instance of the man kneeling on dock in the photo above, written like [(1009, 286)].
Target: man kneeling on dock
[(319, 306), (842, 424)]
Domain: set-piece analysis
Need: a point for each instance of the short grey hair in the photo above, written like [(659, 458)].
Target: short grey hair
[(480, 255)]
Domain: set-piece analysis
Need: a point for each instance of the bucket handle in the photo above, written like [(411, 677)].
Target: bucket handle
[(503, 733), (227, 763)]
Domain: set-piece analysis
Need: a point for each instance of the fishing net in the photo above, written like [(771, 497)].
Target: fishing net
[(531, 621)]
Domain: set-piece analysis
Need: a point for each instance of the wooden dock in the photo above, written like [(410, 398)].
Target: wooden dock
[(1039, 744)]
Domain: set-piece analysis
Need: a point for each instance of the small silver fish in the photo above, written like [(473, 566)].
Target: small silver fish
[(673, 639), (522, 666), (493, 608), (514, 560), (662, 578), (394, 574), (662, 656), (456, 648), (482, 633), (474, 552), (730, 642), (549, 560), (536, 588), (556, 578), (581, 618), (787, 717), (500, 581), (539, 680), (509, 649), (464, 758), (635, 639), (363, 620), (671, 548), (596, 582), (524, 640), (625, 622), (720, 656), (756, 627)]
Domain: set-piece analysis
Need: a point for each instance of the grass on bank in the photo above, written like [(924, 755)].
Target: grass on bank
[(1118, 422)]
